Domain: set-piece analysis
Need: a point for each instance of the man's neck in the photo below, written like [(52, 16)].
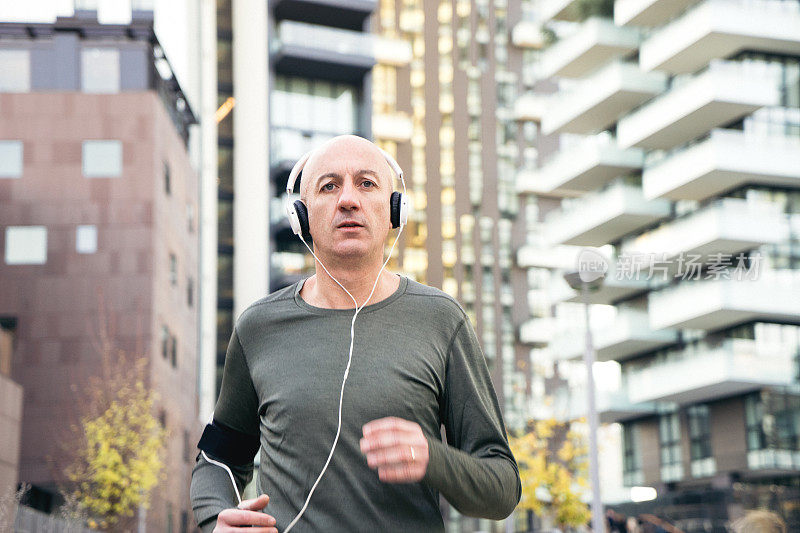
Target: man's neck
[(321, 291)]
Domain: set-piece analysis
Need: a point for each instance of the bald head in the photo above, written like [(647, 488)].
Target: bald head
[(344, 151)]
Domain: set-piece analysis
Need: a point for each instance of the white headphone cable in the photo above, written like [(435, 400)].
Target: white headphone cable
[(347, 369), (228, 470)]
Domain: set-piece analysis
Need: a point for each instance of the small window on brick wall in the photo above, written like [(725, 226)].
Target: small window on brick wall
[(26, 245)]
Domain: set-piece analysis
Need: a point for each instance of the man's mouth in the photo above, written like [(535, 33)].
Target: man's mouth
[(349, 224)]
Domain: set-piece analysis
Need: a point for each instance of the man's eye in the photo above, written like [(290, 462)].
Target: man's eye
[(368, 183), (328, 187)]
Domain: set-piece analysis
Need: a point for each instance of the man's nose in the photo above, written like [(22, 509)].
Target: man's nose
[(348, 199)]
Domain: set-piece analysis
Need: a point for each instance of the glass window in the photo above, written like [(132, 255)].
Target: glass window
[(100, 70), (190, 293), (10, 159), (16, 68), (754, 414), (173, 269), (26, 245), (86, 239), (699, 432), (631, 454), (102, 159), (669, 431), (165, 337)]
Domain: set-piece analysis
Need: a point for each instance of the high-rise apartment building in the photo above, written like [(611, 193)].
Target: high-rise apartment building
[(98, 210), (678, 127)]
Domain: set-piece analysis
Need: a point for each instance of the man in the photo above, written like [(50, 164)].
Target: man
[(416, 365)]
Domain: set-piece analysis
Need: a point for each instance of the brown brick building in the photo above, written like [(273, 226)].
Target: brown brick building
[(98, 204)]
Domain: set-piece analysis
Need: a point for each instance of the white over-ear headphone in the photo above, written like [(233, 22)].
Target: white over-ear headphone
[(297, 212)]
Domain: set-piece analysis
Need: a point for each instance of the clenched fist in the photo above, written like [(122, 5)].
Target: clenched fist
[(396, 448)]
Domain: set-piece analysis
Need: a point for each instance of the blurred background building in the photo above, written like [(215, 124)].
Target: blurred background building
[(678, 156), (662, 132), (99, 216)]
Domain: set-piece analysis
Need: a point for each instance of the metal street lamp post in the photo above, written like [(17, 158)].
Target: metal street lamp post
[(577, 282)]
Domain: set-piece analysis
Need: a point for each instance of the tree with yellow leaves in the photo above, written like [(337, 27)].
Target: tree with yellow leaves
[(118, 460), (553, 469)]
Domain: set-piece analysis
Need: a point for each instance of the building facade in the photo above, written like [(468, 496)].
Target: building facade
[(99, 233), (678, 135)]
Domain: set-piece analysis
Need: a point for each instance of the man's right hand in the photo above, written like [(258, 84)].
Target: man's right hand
[(246, 515)]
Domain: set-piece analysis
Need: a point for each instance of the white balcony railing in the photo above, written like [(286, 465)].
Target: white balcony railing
[(616, 339), (716, 29), (723, 161), (727, 226), (719, 303), (584, 166), (594, 44), (723, 93), (612, 406), (530, 106), (703, 372), (598, 101), (604, 216)]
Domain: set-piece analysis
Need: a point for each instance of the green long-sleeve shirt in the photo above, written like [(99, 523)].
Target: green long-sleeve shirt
[(416, 356)]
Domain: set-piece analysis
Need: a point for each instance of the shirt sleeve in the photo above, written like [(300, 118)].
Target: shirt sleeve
[(476, 470), (237, 408)]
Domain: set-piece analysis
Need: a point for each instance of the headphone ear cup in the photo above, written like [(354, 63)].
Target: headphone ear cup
[(302, 219), (394, 208)]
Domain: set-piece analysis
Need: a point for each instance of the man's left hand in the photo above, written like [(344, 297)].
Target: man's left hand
[(397, 448)]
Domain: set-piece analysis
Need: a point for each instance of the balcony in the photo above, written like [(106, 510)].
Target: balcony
[(722, 303), (323, 52), (723, 93), (528, 34), (585, 166), (612, 406), (597, 42), (647, 13), (626, 335), (724, 161), (599, 100), (716, 29), (349, 14), (603, 217), (728, 226), (530, 107), (558, 10), (536, 332), (704, 373), (394, 127)]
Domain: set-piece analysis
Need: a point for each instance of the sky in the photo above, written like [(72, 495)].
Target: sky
[(170, 22)]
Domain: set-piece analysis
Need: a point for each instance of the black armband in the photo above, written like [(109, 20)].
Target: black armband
[(228, 445)]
